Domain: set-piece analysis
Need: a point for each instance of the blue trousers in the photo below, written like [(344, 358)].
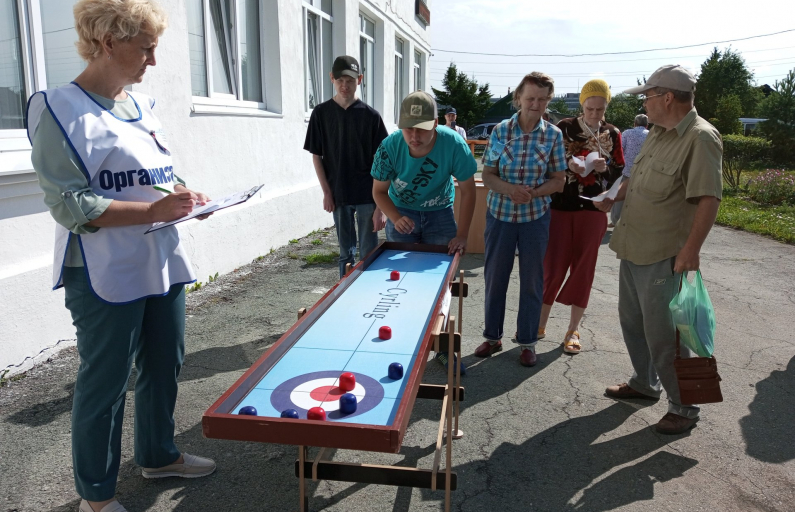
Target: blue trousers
[(348, 219), (436, 227), (149, 332), (502, 241)]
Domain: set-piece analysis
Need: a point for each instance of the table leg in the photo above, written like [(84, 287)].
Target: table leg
[(450, 390), (303, 498)]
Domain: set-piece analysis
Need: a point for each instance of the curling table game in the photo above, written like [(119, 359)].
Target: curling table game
[(347, 373)]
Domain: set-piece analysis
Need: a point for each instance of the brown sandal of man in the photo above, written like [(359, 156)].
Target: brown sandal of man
[(571, 343)]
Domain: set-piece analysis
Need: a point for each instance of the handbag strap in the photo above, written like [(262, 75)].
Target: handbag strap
[(678, 354)]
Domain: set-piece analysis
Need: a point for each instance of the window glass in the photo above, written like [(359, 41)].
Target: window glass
[(368, 27), (13, 96), (198, 56), (418, 71), (62, 64), (221, 46), (312, 61), (325, 6), (250, 50)]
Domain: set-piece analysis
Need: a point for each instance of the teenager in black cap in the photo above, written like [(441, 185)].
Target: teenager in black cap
[(343, 136)]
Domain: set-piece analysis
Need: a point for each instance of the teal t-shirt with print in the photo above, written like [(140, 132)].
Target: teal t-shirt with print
[(424, 184)]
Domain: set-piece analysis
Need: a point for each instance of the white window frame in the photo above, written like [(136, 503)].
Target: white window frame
[(232, 104), (419, 70), (400, 67), (30, 68), (370, 88), (308, 7)]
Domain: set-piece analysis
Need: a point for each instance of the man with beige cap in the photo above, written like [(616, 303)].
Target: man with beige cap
[(670, 204)]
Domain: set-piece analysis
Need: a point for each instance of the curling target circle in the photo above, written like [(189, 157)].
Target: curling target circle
[(317, 388)]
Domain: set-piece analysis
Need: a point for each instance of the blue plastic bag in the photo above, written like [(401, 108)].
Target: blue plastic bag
[(694, 316)]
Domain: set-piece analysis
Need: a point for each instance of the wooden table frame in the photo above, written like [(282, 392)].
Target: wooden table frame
[(220, 421)]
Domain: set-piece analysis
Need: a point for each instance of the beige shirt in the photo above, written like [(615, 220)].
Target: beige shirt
[(673, 169)]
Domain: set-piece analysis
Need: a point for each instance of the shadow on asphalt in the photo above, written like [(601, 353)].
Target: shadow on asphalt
[(772, 414), (565, 474), (198, 365)]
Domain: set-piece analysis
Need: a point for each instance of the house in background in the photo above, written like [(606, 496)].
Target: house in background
[(750, 124), (234, 94)]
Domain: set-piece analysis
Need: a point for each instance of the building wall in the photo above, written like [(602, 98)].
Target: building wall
[(217, 153)]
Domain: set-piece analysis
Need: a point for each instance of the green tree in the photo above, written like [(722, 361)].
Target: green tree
[(622, 110), (728, 111), (724, 74), (779, 110), (559, 105), (470, 100)]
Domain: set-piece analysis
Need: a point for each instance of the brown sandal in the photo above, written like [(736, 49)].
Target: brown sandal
[(571, 343)]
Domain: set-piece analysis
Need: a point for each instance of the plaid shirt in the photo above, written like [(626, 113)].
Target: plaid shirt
[(526, 158)]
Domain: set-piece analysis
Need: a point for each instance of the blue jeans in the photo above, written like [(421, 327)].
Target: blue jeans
[(347, 224), (435, 227), (503, 239), (110, 337)]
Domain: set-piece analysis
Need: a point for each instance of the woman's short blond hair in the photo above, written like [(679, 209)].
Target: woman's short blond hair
[(123, 19), (539, 80)]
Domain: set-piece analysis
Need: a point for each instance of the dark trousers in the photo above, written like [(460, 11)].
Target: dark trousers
[(110, 337), (503, 239)]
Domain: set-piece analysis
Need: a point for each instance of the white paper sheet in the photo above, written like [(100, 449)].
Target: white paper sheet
[(588, 163), (609, 194)]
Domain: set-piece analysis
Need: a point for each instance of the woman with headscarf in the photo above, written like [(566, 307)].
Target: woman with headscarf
[(577, 227), (104, 165)]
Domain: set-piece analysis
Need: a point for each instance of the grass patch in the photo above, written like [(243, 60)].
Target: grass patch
[(319, 257), (292, 256), (317, 241), (777, 222), (4, 381), (294, 241)]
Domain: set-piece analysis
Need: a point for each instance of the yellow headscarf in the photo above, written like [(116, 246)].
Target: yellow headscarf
[(597, 87)]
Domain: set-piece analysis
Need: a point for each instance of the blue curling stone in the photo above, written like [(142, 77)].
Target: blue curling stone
[(290, 413), (348, 403), (395, 371), (248, 411)]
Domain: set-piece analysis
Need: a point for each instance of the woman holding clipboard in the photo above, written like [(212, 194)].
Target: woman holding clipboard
[(124, 289)]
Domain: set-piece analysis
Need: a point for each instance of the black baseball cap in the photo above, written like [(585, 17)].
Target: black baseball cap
[(451, 110), (345, 65)]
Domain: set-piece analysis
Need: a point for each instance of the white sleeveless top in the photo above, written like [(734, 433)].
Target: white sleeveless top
[(123, 160)]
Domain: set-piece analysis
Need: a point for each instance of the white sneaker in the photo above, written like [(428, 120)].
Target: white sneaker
[(193, 467), (113, 506)]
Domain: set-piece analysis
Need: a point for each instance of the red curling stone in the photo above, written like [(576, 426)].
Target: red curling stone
[(385, 332), (316, 413), (347, 382), (394, 275)]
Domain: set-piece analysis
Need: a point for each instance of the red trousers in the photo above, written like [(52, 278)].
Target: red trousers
[(574, 240)]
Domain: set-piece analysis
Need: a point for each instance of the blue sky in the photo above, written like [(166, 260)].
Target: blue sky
[(574, 27)]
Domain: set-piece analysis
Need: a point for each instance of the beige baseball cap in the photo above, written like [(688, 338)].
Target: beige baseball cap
[(418, 110), (671, 76)]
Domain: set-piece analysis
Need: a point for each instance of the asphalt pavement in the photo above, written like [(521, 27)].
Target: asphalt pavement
[(541, 439)]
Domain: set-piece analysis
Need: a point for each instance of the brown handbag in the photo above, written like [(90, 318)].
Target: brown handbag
[(699, 382)]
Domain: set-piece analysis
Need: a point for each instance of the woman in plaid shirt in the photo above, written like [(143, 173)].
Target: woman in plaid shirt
[(523, 165)]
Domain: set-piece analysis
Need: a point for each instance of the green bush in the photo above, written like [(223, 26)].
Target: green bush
[(772, 188), (738, 153)]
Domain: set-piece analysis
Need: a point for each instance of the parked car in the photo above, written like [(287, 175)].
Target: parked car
[(480, 131)]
